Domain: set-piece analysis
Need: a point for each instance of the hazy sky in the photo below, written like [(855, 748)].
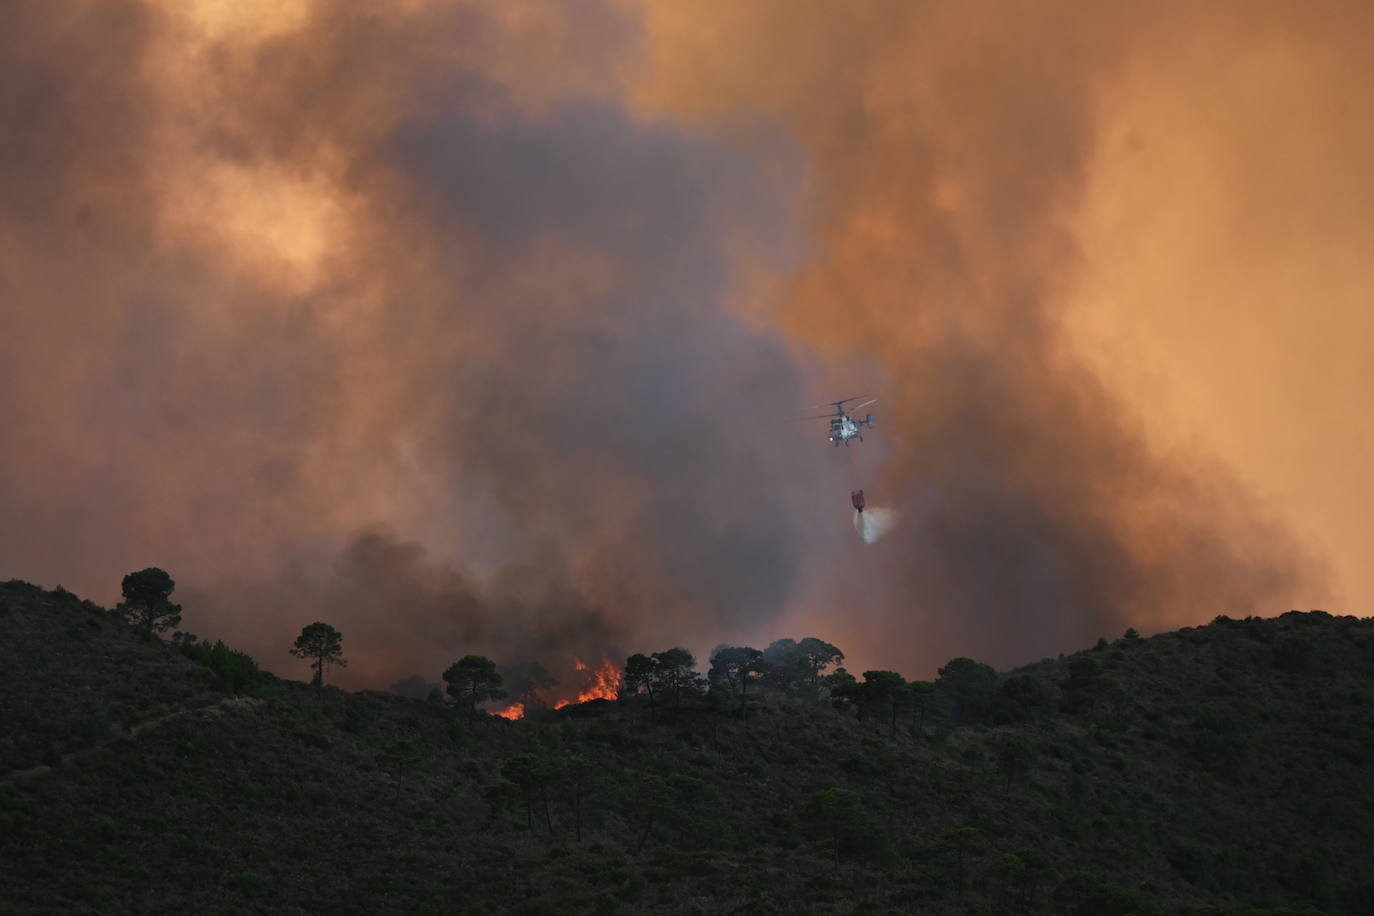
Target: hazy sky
[(477, 327)]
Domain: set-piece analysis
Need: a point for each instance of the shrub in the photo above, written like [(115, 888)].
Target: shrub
[(234, 671)]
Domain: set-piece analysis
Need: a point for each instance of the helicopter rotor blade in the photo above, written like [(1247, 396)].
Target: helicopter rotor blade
[(864, 404), (834, 405)]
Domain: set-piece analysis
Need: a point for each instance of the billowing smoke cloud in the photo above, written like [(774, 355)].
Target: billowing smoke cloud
[(958, 144), (292, 279), (462, 326), (402, 610)]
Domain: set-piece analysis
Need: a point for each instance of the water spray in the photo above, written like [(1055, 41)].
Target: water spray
[(874, 523)]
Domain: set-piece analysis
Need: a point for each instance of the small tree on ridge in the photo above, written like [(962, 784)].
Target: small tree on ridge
[(323, 644), (146, 601), (474, 678)]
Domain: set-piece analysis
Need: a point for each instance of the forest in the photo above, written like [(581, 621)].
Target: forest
[(1214, 769)]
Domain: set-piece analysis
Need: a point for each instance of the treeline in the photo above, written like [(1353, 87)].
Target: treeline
[(965, 691), (669, 684), (666, 682)]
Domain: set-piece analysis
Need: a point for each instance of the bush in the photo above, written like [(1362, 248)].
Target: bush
[(235, 672)]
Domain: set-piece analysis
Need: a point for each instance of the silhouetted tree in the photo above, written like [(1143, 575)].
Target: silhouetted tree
[(234, 671), (723, 670), (473, 679), (146, 601), (841, 684), (639, 676), (925, 701), (884, 690), (818, 655), (735, 666), (324, 644), (790, 663), (786, 664), (525, 681), (674, 675), (970, 687)]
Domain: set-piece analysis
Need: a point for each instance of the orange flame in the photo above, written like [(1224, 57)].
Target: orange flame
[(603, 684)]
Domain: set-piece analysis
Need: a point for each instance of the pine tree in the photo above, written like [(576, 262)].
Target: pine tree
[(146, 600), (323, 644), (474, 678)]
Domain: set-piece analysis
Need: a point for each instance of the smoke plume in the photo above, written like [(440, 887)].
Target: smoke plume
[(465, 327), (961, 146)]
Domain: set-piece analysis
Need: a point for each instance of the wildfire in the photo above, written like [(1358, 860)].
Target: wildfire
[(599, 683), (604, 683)]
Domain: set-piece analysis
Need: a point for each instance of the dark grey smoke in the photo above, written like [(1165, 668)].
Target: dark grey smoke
[(513, 413)]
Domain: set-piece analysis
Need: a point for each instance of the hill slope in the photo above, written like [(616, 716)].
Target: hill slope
[(1218, 769)]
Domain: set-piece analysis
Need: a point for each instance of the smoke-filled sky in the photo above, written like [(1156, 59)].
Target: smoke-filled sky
[(479, 327)]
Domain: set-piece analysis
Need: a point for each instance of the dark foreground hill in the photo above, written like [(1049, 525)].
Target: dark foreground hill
[(1219, 769)]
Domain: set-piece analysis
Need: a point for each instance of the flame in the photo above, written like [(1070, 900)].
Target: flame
[(602, 683), (605, 684)]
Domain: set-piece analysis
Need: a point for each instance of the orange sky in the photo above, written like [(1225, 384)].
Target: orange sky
[(465, 326), (1225, 292)]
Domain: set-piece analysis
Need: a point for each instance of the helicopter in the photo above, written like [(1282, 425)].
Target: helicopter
[(844, 427)]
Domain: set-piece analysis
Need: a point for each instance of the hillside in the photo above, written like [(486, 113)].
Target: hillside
[(1218, 769)]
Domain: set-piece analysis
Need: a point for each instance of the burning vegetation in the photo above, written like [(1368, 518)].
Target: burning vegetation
[(670, 676), (667, 677), (535, 689)]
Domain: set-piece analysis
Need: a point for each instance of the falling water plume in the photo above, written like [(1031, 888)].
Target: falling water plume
[(874, 522)]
